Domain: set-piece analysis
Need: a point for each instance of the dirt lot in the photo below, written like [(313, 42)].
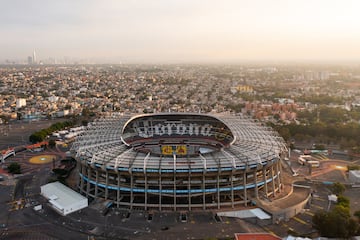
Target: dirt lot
[(17, 133)]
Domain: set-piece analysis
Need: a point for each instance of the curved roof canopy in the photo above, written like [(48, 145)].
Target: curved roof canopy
[(155, 141), (176, 129)]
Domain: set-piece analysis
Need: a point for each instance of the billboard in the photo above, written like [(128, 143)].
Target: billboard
[(177, 150)]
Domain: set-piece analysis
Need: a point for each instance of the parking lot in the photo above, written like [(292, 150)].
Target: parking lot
[(18, 220)]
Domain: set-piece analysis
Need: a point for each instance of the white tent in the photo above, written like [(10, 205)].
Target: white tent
[(249, 213), (63, 199)]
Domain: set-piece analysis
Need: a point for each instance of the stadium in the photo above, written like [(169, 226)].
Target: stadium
[(179, 161)]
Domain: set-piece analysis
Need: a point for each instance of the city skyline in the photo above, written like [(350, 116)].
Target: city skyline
[(181, 31)]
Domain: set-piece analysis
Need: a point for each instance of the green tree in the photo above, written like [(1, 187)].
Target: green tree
[(35, 137), (337, 188), (84, 122), (319, 222), (336, 223), (343, 201), (284, 133), (60, 172), (319, 147), (40, 136), (357, 214), (52, 143), (86, 112), (353, 167), (14, 168)]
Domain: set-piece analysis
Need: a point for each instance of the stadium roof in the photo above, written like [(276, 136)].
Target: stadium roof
[(101, 145)]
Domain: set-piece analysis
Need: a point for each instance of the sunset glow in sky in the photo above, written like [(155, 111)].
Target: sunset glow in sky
[(174, 31)]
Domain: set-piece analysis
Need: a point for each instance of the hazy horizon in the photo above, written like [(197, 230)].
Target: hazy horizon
[(181, 31)]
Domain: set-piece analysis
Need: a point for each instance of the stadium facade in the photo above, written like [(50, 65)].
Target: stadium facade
[(178, 161)]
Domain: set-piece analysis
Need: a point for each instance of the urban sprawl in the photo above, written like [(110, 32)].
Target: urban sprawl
[(271, 93)]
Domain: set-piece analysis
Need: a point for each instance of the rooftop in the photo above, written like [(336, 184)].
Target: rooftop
[(255, 236), (62, 195)]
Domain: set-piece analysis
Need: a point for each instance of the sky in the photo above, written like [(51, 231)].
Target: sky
[(181, 31)]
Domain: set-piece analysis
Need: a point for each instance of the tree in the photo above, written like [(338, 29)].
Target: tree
[(336, 223), (84, 122), (353, 167), (284, 133), (14, 168), (357, 214), (60, 172), (343, 201), (276, 116), (5, 118), (85, 112), (319, 147), (39, 136), (52, 143), (318, 221), (337, 188)]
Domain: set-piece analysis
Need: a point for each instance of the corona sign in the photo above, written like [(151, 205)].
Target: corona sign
[(181, 150), (172, 128), (167, 150), (175, 130), (170, 150)]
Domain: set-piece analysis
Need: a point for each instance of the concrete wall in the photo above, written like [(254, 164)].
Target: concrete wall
[(287, 213)]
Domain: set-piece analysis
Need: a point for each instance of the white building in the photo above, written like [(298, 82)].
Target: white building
[(53, 99), (354, 176), (63, 199), (20, 102), (62, 113)]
